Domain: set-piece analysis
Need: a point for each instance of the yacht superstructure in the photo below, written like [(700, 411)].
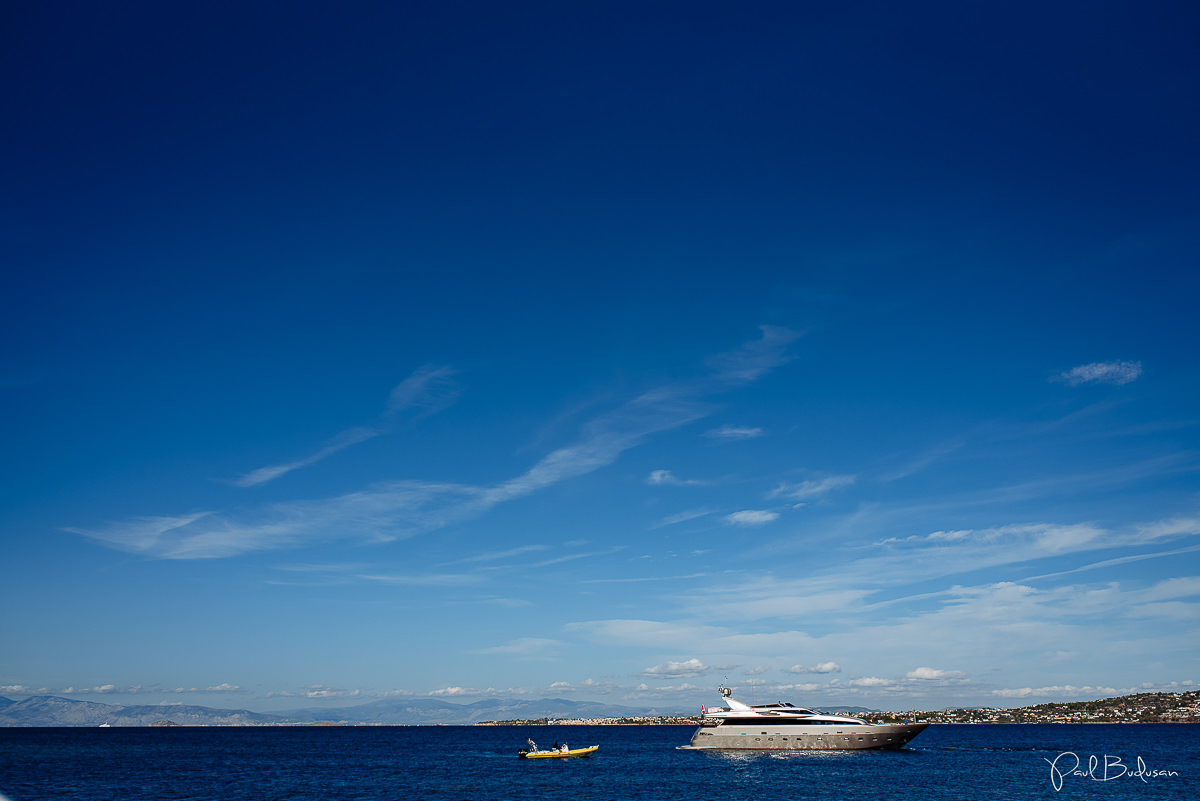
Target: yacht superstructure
[(782, 726)]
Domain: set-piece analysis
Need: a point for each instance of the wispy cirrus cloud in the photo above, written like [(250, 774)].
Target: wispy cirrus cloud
[(682, 517), (815, 488), (1121, 560), (755, 358), (342, 441), (411, 579), (429, 390), (494, 556), (382, 512), (140, 534), (524, 646), (732, 432), (1101, 373), (923, 460), (764, 598), (1042, 537), (388, 511)]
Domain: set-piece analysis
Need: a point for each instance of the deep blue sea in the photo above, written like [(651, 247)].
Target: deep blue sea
[(1132, 761)]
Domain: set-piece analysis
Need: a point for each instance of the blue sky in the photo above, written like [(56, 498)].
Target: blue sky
[(600, 351)]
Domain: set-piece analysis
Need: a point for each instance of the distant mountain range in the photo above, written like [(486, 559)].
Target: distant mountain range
[(48, 710)]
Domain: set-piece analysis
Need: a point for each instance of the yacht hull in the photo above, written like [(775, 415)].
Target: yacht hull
[(804, 738)]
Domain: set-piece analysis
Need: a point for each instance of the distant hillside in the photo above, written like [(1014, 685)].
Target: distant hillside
[(48, 710)]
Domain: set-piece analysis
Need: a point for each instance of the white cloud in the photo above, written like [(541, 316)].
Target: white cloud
[(1169, 529), (930, 674), (219, 689), (676, 670), (1169, 589), (807, 687), (224, 687), (751, 517), (666, 477), (1169, 610), (586, 686), (322, 691), (1058, 691), (871, 681), (1047, 538), (659, 477), (1102, 373), (824, 667), (103, 689)]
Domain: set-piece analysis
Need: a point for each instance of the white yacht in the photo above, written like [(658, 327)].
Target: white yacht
[(783, 727)]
